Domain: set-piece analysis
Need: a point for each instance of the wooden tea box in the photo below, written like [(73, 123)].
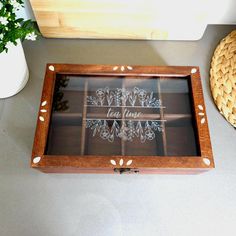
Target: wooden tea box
[(122, 119)]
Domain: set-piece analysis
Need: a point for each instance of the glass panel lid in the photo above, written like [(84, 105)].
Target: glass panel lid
[(101, 115)]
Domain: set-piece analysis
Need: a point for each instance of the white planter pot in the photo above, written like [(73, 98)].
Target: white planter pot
[(14, 71)]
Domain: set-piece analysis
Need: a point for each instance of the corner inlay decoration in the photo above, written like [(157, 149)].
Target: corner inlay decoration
[(206, 161), (194, 70), (36, 160), (51, 68)]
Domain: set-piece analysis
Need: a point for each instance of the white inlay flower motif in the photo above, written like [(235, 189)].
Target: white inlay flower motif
[(51, 68), (113, 162), (121, 162), (129, 162), (200, 107), (43, 103), (122, 68), (206, 161), (201, 114), (43, 110), (194, 70), (41, 118), (36, 160)]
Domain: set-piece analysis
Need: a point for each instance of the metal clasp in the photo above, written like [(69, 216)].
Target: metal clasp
[(126, 170)]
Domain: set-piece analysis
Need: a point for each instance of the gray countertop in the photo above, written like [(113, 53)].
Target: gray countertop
[(33, 203)]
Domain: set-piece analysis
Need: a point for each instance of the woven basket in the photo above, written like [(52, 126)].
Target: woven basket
[(223, 77)]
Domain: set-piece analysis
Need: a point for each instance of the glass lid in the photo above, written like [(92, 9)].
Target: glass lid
[(133, 116)]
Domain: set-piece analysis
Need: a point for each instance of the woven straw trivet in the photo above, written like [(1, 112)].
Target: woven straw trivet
[(223, 77)]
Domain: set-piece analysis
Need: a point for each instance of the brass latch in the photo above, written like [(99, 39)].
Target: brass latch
[(126, 170)]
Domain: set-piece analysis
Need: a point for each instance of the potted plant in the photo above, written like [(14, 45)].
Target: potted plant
[(14, 72)]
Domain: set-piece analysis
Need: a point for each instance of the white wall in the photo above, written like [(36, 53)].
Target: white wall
[(26, 12), (221, 12)]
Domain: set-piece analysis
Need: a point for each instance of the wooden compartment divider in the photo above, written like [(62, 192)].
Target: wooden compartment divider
[(169, 117), (122, 122), (84, 115), (162, 118)]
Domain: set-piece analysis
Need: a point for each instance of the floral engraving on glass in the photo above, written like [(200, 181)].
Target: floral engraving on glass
[(119, 97), (201, 114), (121, 162), (128, 123), (127, 131)]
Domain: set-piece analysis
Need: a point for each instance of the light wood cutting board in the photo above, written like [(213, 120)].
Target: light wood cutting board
[(121, 19)]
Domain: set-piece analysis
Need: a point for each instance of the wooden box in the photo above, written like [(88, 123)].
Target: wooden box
[(122, 119)]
